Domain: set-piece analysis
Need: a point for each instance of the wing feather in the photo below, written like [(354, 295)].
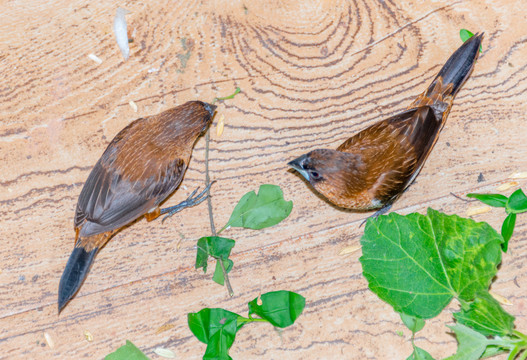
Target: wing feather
[(108, 201)]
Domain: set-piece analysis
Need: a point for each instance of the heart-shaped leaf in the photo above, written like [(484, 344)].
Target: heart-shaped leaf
[(266, 209), (418, 263), (280, 308)]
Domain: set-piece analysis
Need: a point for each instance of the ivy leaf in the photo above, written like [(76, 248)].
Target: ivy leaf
[(507, 228), (220, 343), (215, 246), (280, 308), (413, 323), (256, 212), (420, 354), (517, 202), (495, 200), (486, 316), (207, 322), (418, 263), (127, 352), (218, 273), (471, 344), (464, 34)]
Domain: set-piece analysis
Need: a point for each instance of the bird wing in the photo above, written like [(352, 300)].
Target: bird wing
[(109, 200), (421, 131), (400, 144)]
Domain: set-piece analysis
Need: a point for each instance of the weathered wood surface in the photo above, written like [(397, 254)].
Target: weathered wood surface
[(312, 74)]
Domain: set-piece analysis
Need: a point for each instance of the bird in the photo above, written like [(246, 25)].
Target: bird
[(371, 169), (141, 167)]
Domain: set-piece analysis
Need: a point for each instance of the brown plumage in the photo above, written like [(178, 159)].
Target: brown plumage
[(140, 168), (374, 167)]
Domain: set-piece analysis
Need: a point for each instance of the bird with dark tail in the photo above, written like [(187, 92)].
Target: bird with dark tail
[(370, 170), (142, 166)]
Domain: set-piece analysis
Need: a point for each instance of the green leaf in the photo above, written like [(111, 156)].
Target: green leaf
[(517, 202), (417, 263), (495, 200), (492, 350), (420, 354), (215, 246), (413, 323), (266, 209), (471, 344), (218, 273), (205, 323), (464, 34), (507, 228), (220, 343), (486, 316), (127, 352), (280, 308)]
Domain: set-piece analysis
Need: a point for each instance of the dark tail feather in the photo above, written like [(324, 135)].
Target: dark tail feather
[(74, 274), (459, 66)]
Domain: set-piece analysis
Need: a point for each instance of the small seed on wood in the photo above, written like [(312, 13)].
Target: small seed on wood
[(164, 328), (95, 58), (349, 250), (518, 175), (478, 210), (501, 299), (49, 340), (220, 126), (169, 354), (88, 336), (507, 185), (133, 105)]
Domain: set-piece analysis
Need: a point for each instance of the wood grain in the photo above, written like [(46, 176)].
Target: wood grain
[(312, 73)]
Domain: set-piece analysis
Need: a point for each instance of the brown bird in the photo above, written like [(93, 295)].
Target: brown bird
[(140, 168), (370, 170)]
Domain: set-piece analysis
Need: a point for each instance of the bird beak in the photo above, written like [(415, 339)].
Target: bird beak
[(210, 108), (297, 165)]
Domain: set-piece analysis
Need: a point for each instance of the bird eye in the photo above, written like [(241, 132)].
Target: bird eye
[(315, 175)]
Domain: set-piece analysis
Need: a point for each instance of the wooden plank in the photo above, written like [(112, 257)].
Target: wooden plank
[(312, 74)]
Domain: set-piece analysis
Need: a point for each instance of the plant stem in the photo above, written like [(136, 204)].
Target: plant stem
[(515, 351), (221, 230), (246, 320), (211, 215), (207, 182), (520, 335), (209, 201), (231, 96)]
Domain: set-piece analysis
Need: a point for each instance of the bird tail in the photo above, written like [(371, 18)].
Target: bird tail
[(74, 274), (441, 92)]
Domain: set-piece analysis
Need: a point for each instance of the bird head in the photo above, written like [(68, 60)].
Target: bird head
[(210, 110), (332, 173)]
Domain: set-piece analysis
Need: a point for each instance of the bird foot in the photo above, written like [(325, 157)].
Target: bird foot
[(381, 211), (189, 202)]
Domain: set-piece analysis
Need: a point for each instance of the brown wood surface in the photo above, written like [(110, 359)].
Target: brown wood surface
[(312, 73)]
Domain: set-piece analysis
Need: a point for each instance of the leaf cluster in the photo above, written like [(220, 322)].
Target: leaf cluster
[(514, 204), (253, 211), (218, 327), (419, 263)]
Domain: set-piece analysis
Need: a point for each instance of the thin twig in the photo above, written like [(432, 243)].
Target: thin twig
[(462, 199), (207, 182), (211, 215)]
